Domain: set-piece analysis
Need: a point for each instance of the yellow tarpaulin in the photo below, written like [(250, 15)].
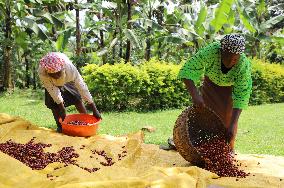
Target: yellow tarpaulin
[(144, 165)]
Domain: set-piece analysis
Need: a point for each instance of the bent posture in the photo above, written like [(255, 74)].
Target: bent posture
[(227, 82), (64, 86)]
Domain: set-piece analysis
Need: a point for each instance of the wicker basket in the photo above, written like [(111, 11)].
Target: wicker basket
[(192, 126)]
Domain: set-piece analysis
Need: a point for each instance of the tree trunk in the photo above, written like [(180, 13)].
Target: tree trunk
[(257, 45), (27, 64), (121, 44), (53, 30), (160, 19), (256, 49), (7, 69), (148, 40), (116, 31), (78, 33), (101, 31), (118, 25), (113, 49), (148, 45), (102, 42), (160, 50), (34, 78), (128, 45), (8, 82)]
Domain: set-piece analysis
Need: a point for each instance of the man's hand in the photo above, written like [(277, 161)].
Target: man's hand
[(96, 113)]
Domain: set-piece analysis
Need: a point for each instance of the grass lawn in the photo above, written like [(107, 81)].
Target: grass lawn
[(261, 128)]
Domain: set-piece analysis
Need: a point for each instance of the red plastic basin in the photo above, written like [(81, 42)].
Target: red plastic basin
[(80, 130)]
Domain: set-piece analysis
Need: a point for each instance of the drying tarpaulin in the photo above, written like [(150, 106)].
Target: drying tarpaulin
[(142, 165)]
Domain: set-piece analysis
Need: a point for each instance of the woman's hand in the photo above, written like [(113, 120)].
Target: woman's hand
[(232, 130), (230, 134), (62, 111), (198, 100), (96, 113), (193, 91)]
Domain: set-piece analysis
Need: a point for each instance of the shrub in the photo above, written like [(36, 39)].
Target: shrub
[(268, 82), (164, 89), (115, 87), (154, 85)]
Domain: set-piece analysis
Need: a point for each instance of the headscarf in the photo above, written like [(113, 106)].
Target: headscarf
[(52, 62), (233, 43)]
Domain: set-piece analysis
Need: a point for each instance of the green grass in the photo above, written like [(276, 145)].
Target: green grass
[(261, 128)]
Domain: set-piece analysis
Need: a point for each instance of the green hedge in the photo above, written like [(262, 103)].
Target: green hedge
[(268, 82), (153, 85), (116, 87), (164, 89)]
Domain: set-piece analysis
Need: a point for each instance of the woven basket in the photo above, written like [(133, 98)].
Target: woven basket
[(193, 126)]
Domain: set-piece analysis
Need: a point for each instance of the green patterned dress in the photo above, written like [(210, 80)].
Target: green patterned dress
[(207, 62)]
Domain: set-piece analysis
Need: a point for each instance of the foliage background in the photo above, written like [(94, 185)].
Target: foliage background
[(162, 33), (154, 85)]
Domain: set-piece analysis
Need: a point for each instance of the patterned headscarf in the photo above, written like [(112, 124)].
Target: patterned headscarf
[(233, 43), (52, 62)]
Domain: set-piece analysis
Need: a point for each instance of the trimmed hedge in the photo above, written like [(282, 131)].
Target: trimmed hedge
[(116, 87), (268, 82), (153, 85), (164, 89)]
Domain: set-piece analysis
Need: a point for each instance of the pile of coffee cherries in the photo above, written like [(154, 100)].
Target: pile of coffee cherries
[(33, 155), (218, 158), (79, 123)]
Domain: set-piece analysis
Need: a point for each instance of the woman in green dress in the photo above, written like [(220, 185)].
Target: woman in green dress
[(227, 83)]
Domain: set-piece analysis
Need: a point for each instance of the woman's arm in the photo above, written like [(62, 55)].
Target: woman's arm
[(193, 91), (231, 132)]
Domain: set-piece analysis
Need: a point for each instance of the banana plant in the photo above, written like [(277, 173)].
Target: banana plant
[(21, 19), (222, 13), (186, 25), (98, 28), (107, 26), (146, 27), (258, 23), (6, 11)]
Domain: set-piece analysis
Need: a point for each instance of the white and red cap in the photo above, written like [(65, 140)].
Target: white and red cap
[(52, 62)]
